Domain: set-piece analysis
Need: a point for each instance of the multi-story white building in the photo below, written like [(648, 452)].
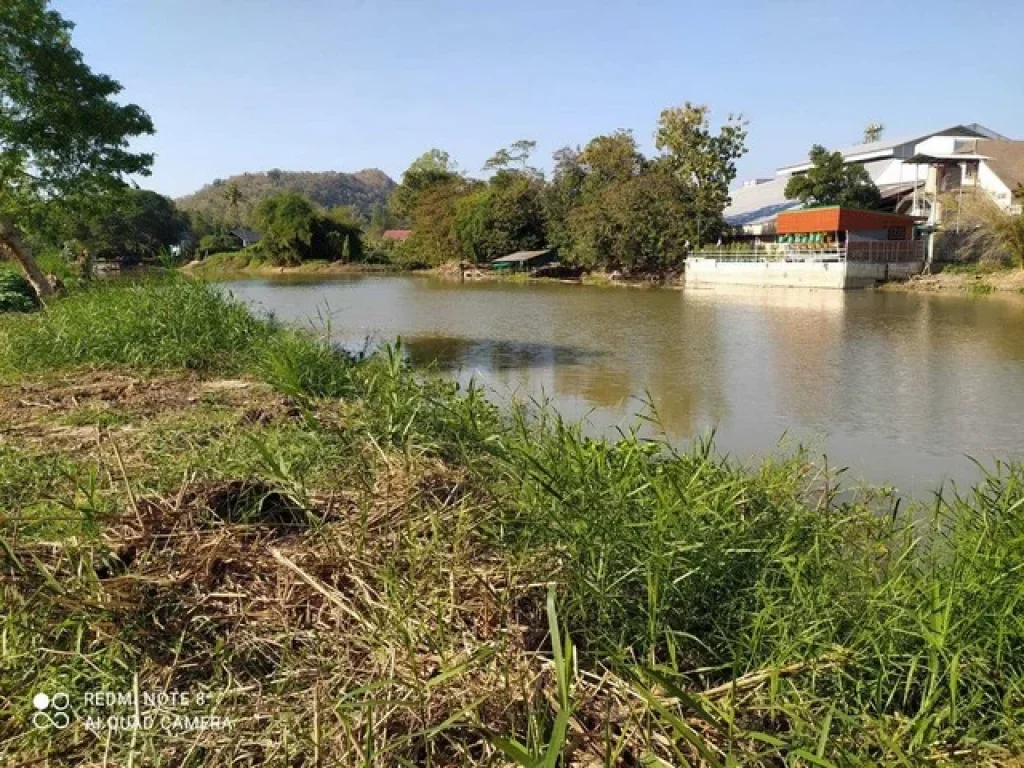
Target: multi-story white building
[(909, 172)]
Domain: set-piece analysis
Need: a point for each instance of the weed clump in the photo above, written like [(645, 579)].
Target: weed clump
[(16, 294)]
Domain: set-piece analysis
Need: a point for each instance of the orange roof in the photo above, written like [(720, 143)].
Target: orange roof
[(834, 218), (396, 234)]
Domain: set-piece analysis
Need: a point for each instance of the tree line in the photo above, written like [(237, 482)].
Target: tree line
[(606, 205)]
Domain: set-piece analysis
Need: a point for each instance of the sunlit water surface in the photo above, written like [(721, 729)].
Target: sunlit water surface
[(900, 388)]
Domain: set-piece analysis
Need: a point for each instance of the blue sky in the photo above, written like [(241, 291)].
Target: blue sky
[(249, 85)]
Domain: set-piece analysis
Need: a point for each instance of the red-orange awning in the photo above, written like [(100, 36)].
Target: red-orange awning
[(835, 219)]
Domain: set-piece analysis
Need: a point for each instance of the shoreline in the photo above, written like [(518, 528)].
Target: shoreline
[(231, 267), (1004, 282), (200, 268)]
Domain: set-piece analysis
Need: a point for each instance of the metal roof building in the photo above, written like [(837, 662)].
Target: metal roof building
[(522, 260)]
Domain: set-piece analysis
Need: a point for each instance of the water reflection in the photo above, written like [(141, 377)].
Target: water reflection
[(452, 353), (899, 387)]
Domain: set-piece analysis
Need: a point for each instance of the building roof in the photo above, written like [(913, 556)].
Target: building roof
[(887, 148), (520, 256), (246, 235), (758, 203), (890, 191), (396, 234), (831, 218), (1006, 159)]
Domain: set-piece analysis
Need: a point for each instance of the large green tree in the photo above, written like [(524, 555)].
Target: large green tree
[(293, 230), (505, 216), (561, 196), (432, 219), (431, 169), (286, 223), (703, 160), (426, 199), (63, 137), (832, 181), (609, 206), (129, 225), (514, 157)]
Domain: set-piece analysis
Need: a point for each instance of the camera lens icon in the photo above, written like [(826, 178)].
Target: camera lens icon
[(51, 711)]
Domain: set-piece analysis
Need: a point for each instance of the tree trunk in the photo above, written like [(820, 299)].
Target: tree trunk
[(10, 240)]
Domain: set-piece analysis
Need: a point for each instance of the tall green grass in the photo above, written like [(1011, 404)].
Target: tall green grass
[(162, 323), (902, 625)]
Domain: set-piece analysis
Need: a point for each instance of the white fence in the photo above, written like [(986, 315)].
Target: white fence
[(876, 252)]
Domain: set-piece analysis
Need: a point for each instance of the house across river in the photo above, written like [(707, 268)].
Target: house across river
[(523, 261), (827, 247)]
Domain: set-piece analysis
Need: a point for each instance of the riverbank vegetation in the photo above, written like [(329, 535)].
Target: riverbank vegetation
[(606, 206), (361, 565)]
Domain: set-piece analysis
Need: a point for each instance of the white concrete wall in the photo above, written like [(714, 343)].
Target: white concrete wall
[(833, 275), (938, 145), (898, 172), (992, 184)]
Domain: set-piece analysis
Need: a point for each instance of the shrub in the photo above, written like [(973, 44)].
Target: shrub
[(222, 243), (16, 293)]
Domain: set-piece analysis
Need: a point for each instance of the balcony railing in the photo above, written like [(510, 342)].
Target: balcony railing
[(863, 251)]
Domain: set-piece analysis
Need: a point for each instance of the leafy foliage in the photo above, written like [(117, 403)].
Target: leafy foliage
[(220, 242), (431, 169), (501, 218), (293, 231), (56, 149), (128, 224), (16, 294), (427, 198), (873, 132), (704, 161), (831, 181), (606, 206)]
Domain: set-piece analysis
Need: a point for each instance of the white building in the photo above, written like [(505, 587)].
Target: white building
[(908, 172)]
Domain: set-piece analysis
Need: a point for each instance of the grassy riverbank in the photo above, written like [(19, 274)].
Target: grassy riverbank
[(222, 265), (971, 279), (255, 263), (360, 566)]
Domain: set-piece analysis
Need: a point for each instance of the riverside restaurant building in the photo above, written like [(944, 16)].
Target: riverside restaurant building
[(828, 247)]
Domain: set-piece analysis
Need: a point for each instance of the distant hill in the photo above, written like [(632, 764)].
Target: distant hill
[(362, 190)]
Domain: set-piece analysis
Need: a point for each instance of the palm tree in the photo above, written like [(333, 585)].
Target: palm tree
[(234, 197), (873, 132)]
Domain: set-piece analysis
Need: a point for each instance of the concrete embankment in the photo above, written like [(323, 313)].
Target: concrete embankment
[(838, 275)]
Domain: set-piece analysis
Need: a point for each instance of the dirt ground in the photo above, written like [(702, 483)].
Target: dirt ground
[(1003, 281)]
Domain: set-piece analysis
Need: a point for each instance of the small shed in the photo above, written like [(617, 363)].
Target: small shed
[(396, 235), (246, 236), (522, 261)]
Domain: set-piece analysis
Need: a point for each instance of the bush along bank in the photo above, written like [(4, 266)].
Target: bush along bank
[(16, 293), (351, 564)]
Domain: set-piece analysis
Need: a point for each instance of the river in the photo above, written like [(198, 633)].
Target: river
[(900, 388)]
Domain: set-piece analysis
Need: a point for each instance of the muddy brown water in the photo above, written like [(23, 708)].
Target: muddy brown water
[(903, 389)]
